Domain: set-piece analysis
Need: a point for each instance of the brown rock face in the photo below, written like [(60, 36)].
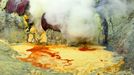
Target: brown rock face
[(46, 26)]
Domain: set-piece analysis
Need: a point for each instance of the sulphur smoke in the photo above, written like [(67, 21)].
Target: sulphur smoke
[(77, 19)]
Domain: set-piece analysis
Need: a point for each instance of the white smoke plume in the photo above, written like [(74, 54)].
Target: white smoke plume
[(77, 19)]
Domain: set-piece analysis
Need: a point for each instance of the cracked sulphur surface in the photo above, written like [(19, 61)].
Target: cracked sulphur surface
[(75, 60)]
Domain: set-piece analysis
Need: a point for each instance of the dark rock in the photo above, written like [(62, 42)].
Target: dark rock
[(54, 37)]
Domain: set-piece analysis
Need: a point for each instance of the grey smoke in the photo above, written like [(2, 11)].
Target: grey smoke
[(115, 7)]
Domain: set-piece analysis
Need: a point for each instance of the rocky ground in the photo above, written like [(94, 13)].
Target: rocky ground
[(10, 65), (120, 39)]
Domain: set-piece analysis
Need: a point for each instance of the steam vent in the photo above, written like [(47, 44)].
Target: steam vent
[(66, 37)]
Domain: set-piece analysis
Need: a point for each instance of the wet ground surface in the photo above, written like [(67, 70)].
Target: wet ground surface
[(75, 60)]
